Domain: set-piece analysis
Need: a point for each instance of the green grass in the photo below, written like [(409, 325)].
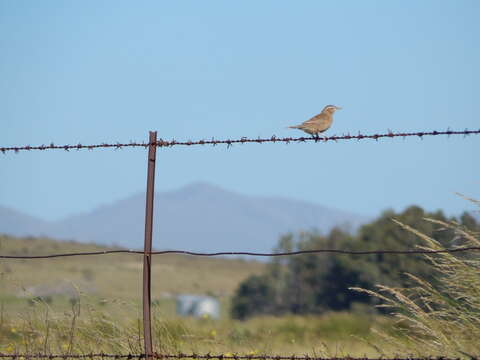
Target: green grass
[(86, 328), (106, 315), (119, 275), (441, 318)]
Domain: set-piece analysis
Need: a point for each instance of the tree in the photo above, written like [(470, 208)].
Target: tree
[(314, 283), (254, 296)]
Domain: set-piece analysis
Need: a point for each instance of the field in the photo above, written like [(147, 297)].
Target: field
[(92, 303), (119, 276)]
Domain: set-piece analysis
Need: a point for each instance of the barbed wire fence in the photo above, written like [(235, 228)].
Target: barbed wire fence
[(102, 356), (244, 140), (202, 357), (147, 253)]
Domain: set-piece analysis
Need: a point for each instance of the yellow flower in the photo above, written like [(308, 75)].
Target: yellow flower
[(9, 348), (13, 330), (213, 333)]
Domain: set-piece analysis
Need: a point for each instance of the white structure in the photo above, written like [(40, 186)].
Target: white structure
[(198, 306)]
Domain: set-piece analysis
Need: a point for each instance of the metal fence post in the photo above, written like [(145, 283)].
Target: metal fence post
[(147, 256)]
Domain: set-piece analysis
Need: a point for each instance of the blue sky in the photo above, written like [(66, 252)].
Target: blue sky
[(107, 71)]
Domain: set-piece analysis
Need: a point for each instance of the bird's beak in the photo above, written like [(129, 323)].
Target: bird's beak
[(339, 108)]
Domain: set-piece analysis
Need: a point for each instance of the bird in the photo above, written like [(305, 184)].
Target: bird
[(319, 123)]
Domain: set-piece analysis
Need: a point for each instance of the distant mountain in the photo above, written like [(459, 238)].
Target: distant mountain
[(198, 217), (15, 223)]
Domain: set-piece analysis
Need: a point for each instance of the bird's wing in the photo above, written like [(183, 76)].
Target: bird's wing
[(313, 120)]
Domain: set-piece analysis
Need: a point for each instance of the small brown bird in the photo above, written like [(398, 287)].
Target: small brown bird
[(319, 123)]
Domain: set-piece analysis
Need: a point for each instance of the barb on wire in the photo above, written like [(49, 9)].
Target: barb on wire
[(246, 253), (201, 356), (242, 140)]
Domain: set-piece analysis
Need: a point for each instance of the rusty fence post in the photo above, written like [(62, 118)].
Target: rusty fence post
[(147, 256)]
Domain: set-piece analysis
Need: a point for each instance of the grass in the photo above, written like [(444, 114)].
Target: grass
[(105, 312), (86, 328), (118, 276), (441, 318)]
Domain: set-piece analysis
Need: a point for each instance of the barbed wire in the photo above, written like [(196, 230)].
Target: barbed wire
[(205, 356), (243, 140), (246, 253)]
